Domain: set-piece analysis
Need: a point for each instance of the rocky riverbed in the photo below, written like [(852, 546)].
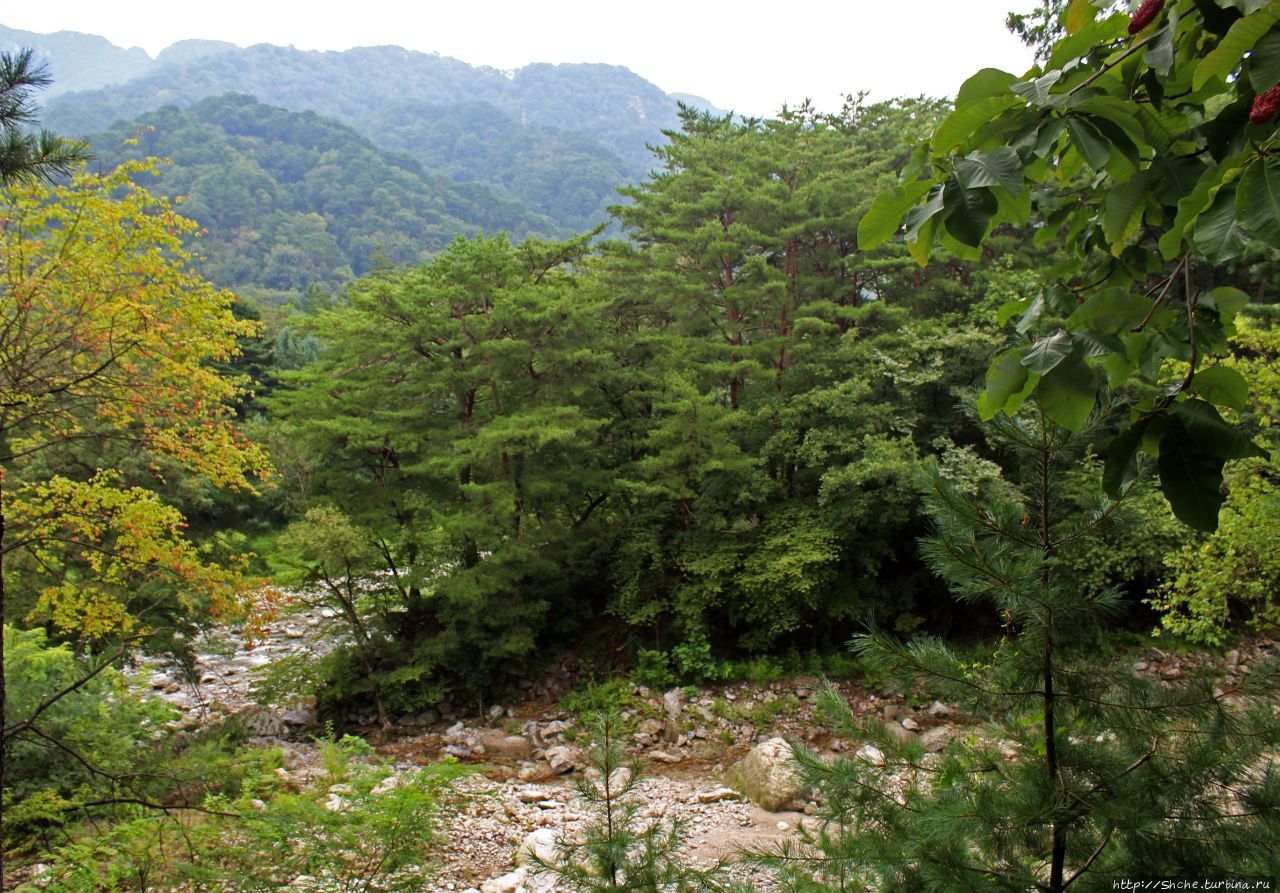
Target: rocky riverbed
[(691, 741)]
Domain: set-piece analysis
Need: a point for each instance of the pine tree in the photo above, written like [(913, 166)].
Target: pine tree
[(620, 850), (25, 155), (1083, 771)]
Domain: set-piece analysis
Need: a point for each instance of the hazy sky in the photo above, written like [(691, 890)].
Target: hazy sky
[(747, 55)]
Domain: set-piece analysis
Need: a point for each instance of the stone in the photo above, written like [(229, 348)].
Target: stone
[(661, 756), (892, 711), (542, 844), (871, 754), (334, 803), (673, 703), (767, 776), (300, 714), (387, 785), (715, 795), (898, 731), (650, 727), (939, 710), (287, 780), (562, 758), (514, 882), (938, 738), (515, 747), (910, 724), (495, 712)]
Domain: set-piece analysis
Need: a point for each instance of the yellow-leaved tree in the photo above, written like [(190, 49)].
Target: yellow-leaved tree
[(108, 340)]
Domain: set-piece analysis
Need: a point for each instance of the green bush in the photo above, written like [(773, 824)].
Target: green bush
[(360, 838)]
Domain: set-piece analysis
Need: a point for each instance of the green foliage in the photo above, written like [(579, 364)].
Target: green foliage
[(367, 836), (611, 696), (1217, 584), (46, 773), (1232, 578), (1139, 154)]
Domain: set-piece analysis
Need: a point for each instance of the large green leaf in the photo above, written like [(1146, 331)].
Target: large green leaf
[(964, 121), (1212, 433), (1231, 49), (1110, 311), (983, 84), (1258, 200), (997, 167), (919, 215), (1223, 386), (1079, 13), (1068, 393), (1122, 211), (1089, 142), (969, 211), (1159, 54), (1173, 177), (1048, 352), (1007, 379), (1071, 48), (920, 246), (1264, 63), (1038, 91), (1225, 299), (1120, 467), (1191, 479), (1219, 234), (1190, 208), (885, 214)]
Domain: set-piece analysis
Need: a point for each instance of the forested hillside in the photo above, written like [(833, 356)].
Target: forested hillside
[(288, 201)]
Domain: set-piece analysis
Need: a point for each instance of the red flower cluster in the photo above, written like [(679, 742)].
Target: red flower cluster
[(1265, 106), (1145, 15)]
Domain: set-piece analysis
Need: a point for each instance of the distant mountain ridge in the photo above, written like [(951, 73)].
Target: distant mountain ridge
[(607, 103), (78, 61)]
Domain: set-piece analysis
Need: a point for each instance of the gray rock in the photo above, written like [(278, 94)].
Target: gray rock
[(562, 758), (910, 724), (513, 747), (897, 731), (937, 739), (715, 795), (542, 844), (939, 710), (871, 754), (673, 703), (767, 776)]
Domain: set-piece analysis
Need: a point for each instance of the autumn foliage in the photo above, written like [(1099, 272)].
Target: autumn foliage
[(107, 346)]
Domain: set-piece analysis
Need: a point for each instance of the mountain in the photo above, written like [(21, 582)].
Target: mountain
[(607, 103), (293, 199), (563, 175), (78, 61)]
